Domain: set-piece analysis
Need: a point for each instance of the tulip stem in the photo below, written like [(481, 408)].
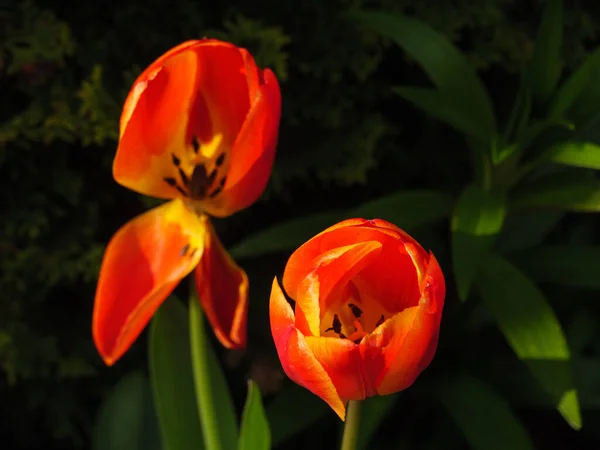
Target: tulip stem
[(350, 436)]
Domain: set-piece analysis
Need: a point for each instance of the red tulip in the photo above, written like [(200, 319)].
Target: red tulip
[(199, 127), (369, 302)]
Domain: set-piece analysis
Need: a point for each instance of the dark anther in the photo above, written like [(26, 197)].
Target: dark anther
[(176, 160), (184, 178), (220, 160), (213, 175), (170, 181), (380, 321), (357, 341), (356, 311), (216, 192), (184, 250), (182, 191), (200, 182), (193, 252), (336, 326), (195, 144), (222, 182), (342, 336)]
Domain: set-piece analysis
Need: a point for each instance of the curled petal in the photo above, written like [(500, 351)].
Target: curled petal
[(223, 290), (297, 359), (142, 264), (253, 152)]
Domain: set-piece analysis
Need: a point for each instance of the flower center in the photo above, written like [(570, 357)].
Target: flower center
[(199, 175), (353, 317)]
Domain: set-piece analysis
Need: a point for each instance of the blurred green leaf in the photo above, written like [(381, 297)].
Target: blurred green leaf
[(373, 411), (578, 85), (172, 377), (458, 83), (299, 403), (126, 419), (477, 220), (254, 433), (406, 209), (581, 330), (446, 109), (532, 330), (545, 65), (563, 264), (217, 415), (574, 153), (485, 418), (524, 229), (564, 194)]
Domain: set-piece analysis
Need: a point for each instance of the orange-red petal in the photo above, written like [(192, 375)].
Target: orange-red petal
[(253, 152), (142, 264), (297, 359), (223, 290)]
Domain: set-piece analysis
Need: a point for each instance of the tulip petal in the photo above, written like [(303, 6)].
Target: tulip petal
[(253, 152), (223, 290), (341, 359), (296, 357), (142, 264)]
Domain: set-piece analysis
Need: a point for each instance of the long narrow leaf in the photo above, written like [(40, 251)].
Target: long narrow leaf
[(254, 433), (476, 222), (484, 417), (172, 378), (532, 330), (545, 66), (573, 153), (561, 194)]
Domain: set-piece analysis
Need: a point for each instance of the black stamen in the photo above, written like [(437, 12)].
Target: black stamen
[(380, 321), (176, 160), (222, 182), (216, 192), (184, 178), (195, 144), (200, 182), (170, 181), (336, 326), (220, 160), (184, 250), (213, 175), (356, 311), (342, 336), (357, 341), (182, 191)]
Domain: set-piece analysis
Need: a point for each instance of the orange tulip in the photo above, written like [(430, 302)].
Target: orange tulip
[(369, 302), (199, 127)]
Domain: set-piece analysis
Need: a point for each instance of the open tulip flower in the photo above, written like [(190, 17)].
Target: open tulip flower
[(199, 128), (368, 305)]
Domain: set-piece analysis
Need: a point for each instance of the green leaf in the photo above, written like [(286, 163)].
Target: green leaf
[(577, 86), (477, 220), (373, 411), (484, 417), (445, 65), (574, 153), (217, 416), (406, 209), (286, 235), (563, 264), (255, 433), (126, 419), (567, 194), (545, 65), (532, 330), (294, 401), (446, 109), (172, 377), (525, 229)]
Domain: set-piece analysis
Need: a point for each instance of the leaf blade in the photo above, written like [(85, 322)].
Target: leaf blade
[(255, 433)]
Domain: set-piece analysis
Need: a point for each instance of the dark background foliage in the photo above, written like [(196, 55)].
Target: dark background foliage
[(65, 68)]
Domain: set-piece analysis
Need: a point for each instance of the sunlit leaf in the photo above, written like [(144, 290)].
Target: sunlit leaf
[(294, 401), (254, 433), (126, 420), (217, 416), (446, 66), (172, 377), (532, 330), (574, 153), (563, 194), (476, 222), (545, 65), (484, 417), (563, 264)]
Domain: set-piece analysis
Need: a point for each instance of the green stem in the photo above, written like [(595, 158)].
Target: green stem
[(205, 396), (350, 436)]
